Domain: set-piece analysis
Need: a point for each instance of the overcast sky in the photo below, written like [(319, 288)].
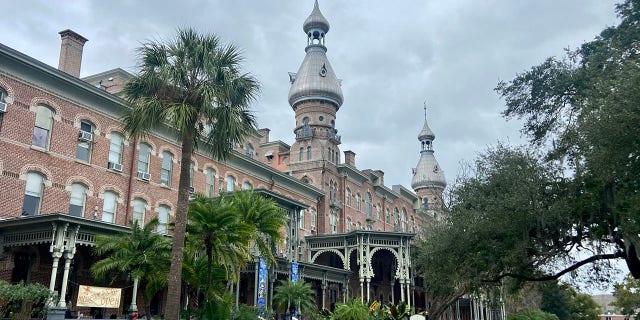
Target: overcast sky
[(391, 56)]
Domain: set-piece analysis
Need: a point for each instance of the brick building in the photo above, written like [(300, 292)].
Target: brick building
[(68, 174)]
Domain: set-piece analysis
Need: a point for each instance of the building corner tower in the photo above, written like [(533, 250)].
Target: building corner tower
[(428, 178)]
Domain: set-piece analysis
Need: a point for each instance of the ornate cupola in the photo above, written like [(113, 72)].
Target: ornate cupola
[(427, 174), (315, 80)]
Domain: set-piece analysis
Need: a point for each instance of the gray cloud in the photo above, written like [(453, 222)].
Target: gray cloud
[(390, 55)]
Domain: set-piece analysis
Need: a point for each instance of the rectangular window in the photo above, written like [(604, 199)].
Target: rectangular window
[(163, 219), (115, 148), (143, 158), (211, 181), (167, 167), (85, 138), (109, 207), (139, 207), (40, 137), (301, 219)]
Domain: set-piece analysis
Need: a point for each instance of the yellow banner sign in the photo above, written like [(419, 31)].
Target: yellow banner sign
[(100, 297)]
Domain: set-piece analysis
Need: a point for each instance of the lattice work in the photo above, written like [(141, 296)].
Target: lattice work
[(20, 239)]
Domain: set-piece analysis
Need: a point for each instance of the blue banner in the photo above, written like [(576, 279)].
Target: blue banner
[(262, 283), (294, 272)]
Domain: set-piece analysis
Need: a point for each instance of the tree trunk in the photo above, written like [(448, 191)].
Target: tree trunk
[(175, 273)]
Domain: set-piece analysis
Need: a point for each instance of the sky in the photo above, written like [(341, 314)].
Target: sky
[(392, 56)]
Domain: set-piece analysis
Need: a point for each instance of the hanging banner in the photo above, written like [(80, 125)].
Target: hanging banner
[(99, 297), (262, 283), (294, 272)]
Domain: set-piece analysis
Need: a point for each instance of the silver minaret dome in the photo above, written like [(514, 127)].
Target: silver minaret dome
[(427, 173), (315, 79)]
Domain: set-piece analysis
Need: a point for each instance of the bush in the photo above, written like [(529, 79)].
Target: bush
[(533, 315), (24, 301)]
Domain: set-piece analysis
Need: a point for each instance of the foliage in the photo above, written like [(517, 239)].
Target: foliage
[(28, 300), (191, 85), (378, 311), (569, 199), (353, 309), (244, 312), (532, 315), (142, 254), (299, 295), (568, 304), (585, 109), (627, 296)]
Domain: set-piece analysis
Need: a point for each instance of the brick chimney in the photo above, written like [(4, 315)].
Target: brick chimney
[(71, 52), (350, 158)]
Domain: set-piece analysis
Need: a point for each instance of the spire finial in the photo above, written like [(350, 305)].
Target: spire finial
[(425, 106)]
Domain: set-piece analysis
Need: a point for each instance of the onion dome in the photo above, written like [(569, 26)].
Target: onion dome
[(427, 173), (316, 21), (315, 79)]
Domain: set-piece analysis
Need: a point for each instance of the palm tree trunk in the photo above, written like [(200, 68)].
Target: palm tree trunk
[(209, 252), (175, 273)]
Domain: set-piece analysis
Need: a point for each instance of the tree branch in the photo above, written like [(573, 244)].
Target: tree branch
[(618, 254)]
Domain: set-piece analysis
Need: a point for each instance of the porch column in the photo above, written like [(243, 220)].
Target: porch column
[(402, 285), (393, 295), (368, 289), (65, 278), (408, 288), (69, 253), (361, 289), (54, 272), (56, 248), (134, 306), (324, 293)]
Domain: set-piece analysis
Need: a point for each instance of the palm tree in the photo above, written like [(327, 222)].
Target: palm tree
[(264, 218), (194, 85), (294, 294), (143, 254), (214, 224), (353, 309)]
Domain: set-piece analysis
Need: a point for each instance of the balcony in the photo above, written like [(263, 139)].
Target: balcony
[(334, 136), (335, 203), (305, 133)]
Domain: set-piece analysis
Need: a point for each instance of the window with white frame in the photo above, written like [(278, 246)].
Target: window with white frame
[(115, 148), (85, 141), (348, 196), (348, 225), (231, 183), (211, 182), (109, 206), (358, 226), (309, 153), (3, 97), (358, 202), (333, 221), (139, 208), (314, 218), (368, 206), (144, 155), (388, 216), (167, 168), (163, 219), (403, 220), (247, 185), (301, 219), (378, 211), (78, 199), (43, 126), (396, 217), (301, 153), (33, 192), (249, 151)]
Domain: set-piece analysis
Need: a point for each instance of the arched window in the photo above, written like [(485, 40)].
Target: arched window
[(192, 169), (78, 199), (368, 206), (403, 219), (139, 208), (358, 202), (396, 217), (211, 182), (387, 216), (348, 226), (249, 151), (231, 183), (109, 206), (246, 186), (305, 121), (309, 153), (115, 150), (337, 157), (144, 154), (43, 126), (85, 141), (301, 153), (348, 197), (333, 220), (167, 168), (33, 194), (314, 219), (378, 211), (301, 219), (359, 225), (3, 97), (163, 219)]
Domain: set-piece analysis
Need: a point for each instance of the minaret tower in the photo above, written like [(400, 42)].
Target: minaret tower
[(315, 97), (428, 178)]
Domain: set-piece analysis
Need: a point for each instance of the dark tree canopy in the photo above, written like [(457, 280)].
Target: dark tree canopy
[(569, 199)]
